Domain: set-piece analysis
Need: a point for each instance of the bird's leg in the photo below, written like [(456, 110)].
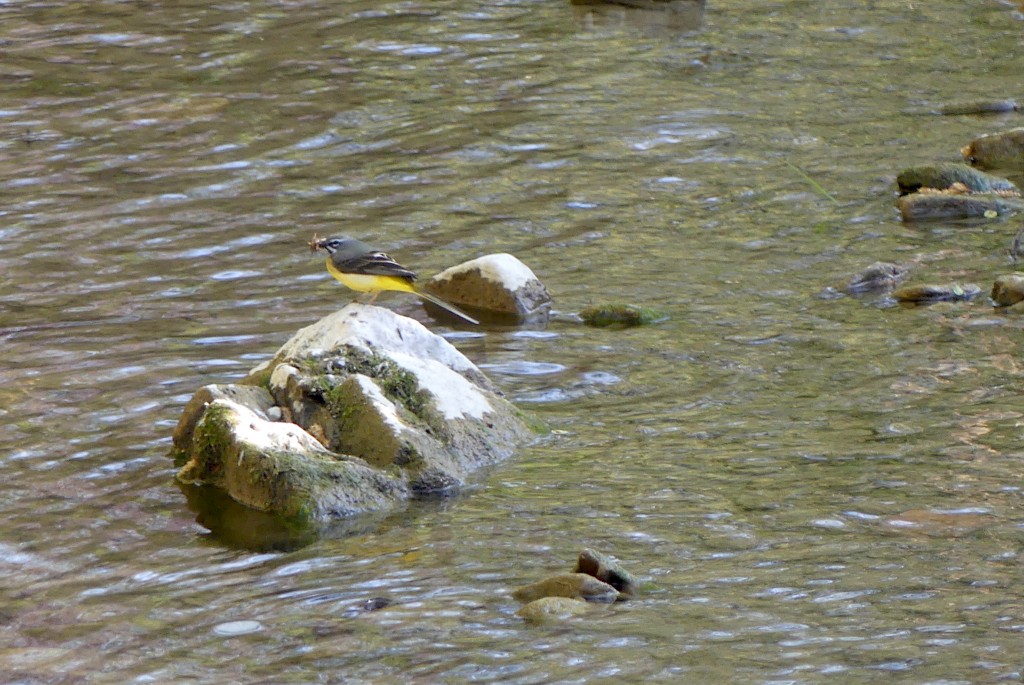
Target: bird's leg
[(373, 298)]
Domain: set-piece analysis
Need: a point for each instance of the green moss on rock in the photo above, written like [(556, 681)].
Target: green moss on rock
[(943, 176), (398, 384), (620, 316)]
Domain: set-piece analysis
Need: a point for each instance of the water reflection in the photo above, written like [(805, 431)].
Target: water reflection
[(243, 528)]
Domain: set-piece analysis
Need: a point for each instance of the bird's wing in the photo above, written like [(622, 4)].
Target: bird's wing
[(373, 264)]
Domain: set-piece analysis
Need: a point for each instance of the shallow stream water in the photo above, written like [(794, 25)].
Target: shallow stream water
[(810, 487)]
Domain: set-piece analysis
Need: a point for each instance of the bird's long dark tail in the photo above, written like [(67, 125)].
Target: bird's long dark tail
[(444, 305)]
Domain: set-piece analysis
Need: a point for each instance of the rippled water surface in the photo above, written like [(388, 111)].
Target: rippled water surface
[(811, 487)]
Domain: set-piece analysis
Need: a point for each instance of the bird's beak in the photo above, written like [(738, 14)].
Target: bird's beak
[(316, 243)]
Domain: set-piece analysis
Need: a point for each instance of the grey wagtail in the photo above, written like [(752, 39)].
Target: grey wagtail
[(366, 270)]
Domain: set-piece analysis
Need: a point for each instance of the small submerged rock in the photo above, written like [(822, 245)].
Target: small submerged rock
[(620, 315), (978, 107), (927, 294), (575, 585), (1008, 290), (551, 609), (928, 205), (236, 628), (598, 578), (607, 570), (877, 277), (1004, 150)]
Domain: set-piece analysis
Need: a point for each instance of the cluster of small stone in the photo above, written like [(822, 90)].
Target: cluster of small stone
[(597, 578)]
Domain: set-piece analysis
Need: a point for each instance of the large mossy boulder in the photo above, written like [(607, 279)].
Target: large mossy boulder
[(356, 413)]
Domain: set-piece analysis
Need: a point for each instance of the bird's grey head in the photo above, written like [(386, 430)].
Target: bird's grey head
[(337, 243)]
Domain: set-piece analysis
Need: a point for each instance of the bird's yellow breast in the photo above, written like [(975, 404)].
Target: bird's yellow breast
[(367, 283)]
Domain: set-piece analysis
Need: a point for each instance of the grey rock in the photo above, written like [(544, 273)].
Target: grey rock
[(377, 409), (497, 283)]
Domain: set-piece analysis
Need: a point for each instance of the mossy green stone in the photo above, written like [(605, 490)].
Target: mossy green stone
[(620, 316), (943, 176)]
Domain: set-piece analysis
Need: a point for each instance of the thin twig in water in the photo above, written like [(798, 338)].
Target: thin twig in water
[(814, 184)]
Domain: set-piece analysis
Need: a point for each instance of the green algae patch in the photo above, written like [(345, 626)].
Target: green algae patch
[(399, 385), (359, 426), (347, 404), (535, 424), (621, 316)]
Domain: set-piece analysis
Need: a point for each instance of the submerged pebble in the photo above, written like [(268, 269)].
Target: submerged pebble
[(876, 277), (235, 628), (925, 206), (575, 585), (550, 609), (978, 107), (607, 570), (924, 294)]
